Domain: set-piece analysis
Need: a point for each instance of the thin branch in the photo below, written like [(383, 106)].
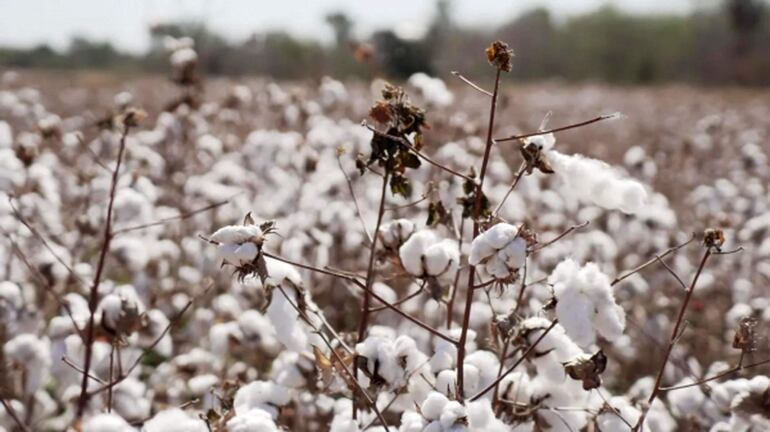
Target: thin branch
[(738, 368), (673, 339), (364, 320), (401, 301), (524, 355), (94, 294), (374, 295), (519, 174), (355, 199), (163, 221), (80, 370), (174, 321), (559, 129), (569, 230), (422, 156), (12, 413), (471, 83), (652, 260)]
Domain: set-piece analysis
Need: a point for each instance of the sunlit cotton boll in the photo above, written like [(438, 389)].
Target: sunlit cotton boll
[(498, 252), (593, 181), (585, 303), (107, 423), (425, 255)]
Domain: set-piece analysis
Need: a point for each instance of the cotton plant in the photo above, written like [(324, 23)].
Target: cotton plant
[(425, 255)]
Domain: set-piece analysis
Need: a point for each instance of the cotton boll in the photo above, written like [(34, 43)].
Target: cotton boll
[(596, 182), (425, 255), (107, 423), (433, 405), (32, 354), (285, 320), (254, 420), (174, 420), (585, 303), (452, 413), (433, 90), (498, 252), (686, 401), (395, 233), (263, 395)]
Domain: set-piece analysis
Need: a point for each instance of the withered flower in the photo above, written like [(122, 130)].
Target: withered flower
[(714, 238), (745, 338), (587, 369), (500, 55)]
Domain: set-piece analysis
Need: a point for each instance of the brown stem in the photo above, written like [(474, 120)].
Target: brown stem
[(471, 83), (370, 269), (476, 215), (12, 413), (674, 337), (93, 300)]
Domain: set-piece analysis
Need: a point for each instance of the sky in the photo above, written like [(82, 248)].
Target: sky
[(124, 23)]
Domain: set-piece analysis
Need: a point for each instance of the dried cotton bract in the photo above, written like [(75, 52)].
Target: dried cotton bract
[(585, 303), (499, 252)]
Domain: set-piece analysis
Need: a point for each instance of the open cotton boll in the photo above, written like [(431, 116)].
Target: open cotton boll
[(174, 420), (107, 423), (394, 233), (433, 90), (685, 401), (425, 255), (596, 182), (433, 405), (31, 354), (254, 420), (237, 234), (585, 303), (498, 252), (285, 320), (263, 395)]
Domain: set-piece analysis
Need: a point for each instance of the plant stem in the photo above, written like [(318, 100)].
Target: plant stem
[(93, 299), (476, 215), (674, 337), (370, 270)]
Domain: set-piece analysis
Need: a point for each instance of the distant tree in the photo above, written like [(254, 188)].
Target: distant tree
[(342, 27)]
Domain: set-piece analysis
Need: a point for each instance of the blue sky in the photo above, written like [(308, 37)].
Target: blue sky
[(124, 22)]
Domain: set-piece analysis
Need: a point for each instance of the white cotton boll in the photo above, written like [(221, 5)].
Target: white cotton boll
[(444, 355), (736, 313), (254, 420), (6, 135), (32, 354), (596, 182), (411, 422), (412, 250), (446, 382), (237, 234), (515, 387), (543, 142), (452, 412), (395, 233), (686, 401), (442, 258), (261, 394), (433, 405), (107, 423), (433, 90), (499, 251), (174, 420), (585, 303), (246, 253)]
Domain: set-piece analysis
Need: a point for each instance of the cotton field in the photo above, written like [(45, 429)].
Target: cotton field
[(186, 254)]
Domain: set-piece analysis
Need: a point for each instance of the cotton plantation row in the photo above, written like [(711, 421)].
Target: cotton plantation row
[(261, 256)]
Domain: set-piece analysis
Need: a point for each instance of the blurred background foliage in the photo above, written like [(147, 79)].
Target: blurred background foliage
[(729, 44)]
